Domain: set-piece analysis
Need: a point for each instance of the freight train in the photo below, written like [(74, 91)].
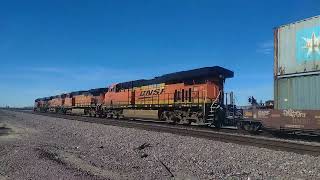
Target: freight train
[(197, 96), (188, 97)]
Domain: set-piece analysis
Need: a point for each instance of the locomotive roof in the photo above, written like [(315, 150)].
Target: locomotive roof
[(97, 91), (78, 93), (206, 72), (182, 76)]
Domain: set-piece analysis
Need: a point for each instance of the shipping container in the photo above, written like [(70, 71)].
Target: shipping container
[(301, 92), (297, 48), (297, 65)]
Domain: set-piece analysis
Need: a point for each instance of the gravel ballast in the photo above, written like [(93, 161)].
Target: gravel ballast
[(40, 147)]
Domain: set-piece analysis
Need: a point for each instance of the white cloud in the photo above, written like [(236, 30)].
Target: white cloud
[(265, 47)]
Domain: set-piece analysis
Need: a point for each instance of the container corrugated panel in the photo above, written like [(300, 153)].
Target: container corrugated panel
[(297, 47), (302, 92)]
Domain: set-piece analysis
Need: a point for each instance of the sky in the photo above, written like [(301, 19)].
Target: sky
[(51, 47)]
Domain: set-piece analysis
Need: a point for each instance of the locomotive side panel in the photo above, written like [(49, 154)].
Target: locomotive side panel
[(156, 94), (177, 94), (68, 102), (83, 100), (163, 95), (117, 99), (99, 99), (177, 102)]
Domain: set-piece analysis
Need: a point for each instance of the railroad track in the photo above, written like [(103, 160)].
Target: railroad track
[(224, 136)]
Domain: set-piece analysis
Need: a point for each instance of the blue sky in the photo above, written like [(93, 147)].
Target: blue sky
[(51, 47)]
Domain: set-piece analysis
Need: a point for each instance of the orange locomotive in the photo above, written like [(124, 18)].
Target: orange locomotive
[(182, 97), (80, 102)]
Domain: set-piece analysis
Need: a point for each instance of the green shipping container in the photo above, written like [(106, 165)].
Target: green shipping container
[(301, 92)]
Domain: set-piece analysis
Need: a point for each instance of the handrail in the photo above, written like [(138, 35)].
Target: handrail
[(216, 99)]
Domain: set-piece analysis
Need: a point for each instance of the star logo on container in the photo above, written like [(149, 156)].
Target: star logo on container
[(312, 45)]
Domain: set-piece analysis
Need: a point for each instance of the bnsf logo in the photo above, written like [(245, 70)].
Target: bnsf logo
[(152, 92)]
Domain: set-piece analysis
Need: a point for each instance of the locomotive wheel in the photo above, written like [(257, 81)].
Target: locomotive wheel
[(167, 116), (251, 127), (163, 116), (218, 119), (246, 127), (255, 128), (185, 122), (109, 116), (217, 124)]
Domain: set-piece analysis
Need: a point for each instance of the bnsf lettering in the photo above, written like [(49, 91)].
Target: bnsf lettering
[(156, 91), (162, 90), (149, 92), (152, 92)]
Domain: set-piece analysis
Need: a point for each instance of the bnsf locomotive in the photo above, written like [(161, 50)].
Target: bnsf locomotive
[(195, 96)]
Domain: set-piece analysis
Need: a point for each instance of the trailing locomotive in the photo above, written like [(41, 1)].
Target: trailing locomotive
[(194, 96), (79, 102)]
